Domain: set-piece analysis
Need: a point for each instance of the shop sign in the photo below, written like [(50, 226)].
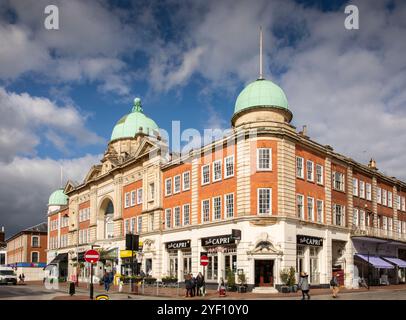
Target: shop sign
[(183, 244), (310, 241), (218, 240)]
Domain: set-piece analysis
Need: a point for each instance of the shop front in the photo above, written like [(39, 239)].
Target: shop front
[(180, 258), (308, 253), (222, 254)]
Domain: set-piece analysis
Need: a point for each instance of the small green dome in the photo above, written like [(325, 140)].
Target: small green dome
[(129, 125), (261, 93), (58, 198)]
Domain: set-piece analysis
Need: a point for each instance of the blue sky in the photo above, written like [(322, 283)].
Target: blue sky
[(62, 91)]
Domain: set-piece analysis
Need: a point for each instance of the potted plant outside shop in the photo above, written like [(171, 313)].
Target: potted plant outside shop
[(292, 280), (231, 280), (242, 281), (169, 280), (284, 274)]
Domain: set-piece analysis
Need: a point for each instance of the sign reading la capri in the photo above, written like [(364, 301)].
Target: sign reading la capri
[(218, 241), (310, 241), (183, 244)]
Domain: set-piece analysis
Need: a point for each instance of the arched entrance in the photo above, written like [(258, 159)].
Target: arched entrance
[(106, 214)]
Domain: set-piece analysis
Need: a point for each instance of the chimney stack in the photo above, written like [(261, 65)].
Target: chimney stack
[(372, 164)]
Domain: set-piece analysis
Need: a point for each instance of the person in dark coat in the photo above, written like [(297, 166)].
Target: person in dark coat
[(193, 279), (106, 281), (199, 284), (304, 285), (188, 286)]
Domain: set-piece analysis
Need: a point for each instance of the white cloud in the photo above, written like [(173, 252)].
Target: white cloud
[(24, 117), (28, 182)]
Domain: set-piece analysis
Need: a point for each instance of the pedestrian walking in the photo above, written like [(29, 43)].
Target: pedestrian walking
[(304, 285), (199, 284), (106, 281), (188, 286), (194, 283), (334, 285)]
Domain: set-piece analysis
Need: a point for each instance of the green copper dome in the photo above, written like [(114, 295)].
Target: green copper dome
[(261, 93), (58, 198), (129, 125)]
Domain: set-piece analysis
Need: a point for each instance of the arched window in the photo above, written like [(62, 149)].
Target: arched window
[(108, 221)]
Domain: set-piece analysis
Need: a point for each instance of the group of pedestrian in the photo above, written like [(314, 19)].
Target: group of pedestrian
[(304, 285), (107, 279), (195, 286)]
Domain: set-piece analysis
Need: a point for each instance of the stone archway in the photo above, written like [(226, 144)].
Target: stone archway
[(105, 217)]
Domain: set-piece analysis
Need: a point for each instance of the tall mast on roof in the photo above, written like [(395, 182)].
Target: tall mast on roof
[(261, 75)]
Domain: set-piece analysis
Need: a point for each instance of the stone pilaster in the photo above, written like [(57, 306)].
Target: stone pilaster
[(327, 190), (374, 202), (350, 198), (194, 207), (395, 210), (286, 178), (243, 166)]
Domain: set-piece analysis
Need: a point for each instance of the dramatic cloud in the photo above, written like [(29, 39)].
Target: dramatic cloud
[(26, 185), (90, 45), (23, 117)]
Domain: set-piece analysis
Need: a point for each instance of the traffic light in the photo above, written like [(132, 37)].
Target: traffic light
[(132, 242)]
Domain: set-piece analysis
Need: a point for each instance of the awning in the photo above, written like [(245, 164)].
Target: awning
[(62, 257), (377, 262), (396, 261)]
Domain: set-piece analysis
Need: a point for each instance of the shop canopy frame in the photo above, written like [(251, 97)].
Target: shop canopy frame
[(375, 261)]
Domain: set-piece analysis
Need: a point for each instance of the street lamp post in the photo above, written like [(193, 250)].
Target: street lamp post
[(369, 271)]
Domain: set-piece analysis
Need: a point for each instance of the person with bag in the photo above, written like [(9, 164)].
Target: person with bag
[(222, 288), (304, 285), (334, 285)]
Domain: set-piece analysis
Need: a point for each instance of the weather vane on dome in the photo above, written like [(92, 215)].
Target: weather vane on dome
[(137, 105)]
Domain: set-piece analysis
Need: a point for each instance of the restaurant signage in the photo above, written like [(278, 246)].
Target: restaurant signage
[(183, 244), (310, 241), (218, 240)]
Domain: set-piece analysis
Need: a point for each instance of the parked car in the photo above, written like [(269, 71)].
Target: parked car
[(7, 275)]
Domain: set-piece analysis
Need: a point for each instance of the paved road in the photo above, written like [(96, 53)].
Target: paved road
[(37, 292)]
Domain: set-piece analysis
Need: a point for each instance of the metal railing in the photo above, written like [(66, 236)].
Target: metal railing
[(378, 233)]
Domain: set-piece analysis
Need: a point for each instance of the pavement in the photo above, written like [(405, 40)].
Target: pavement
[(37, 291)]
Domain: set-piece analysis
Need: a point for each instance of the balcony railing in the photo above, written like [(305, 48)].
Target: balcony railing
[(378, 233)]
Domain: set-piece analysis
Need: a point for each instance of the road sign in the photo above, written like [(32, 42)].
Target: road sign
[(204, 261), (92, 256)]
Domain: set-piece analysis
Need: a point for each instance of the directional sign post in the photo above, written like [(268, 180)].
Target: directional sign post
[(91, 256)]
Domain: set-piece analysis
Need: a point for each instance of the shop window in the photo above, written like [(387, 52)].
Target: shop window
[(300, 253), (212, 268), (314, 265), (187, 263)]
